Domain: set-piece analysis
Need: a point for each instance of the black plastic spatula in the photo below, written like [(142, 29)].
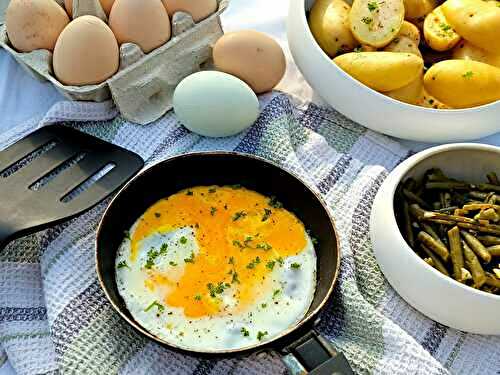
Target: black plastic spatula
[(55, 174)]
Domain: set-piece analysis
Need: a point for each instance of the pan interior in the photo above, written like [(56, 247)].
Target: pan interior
[(173, 175)]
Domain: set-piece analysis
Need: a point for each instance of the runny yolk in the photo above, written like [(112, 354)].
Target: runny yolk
[(242, 236)]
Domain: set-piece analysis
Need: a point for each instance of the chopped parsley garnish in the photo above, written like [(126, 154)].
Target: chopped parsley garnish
[(235, 278), (261, 335), (253, 263), (216, 289), (239, 215), (127, 235), (244, 332), (213, 210), (270, 264), (189, 192), (235, 187), (372, 6), (183, 240), (280, 261), (160, 307), (190, 259), (264, 246), (172, 263), (274, 203), (444, 26), (231, 260), (276, 292), (152, 255), (367, 20), (212, 190), (157, 215), (163, 249), (247, 240), (267, 214), (295, 266), (468, 74), (122, 264), (197, 297), (238, 244), (314, 240), (264, 305)]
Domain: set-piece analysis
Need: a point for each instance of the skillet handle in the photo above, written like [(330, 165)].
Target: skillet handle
[(313, 354)]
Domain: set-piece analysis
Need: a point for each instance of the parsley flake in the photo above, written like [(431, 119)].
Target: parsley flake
[(231, 260), (127, 235), (244, 332), (444, 26), (372, 6), (216, 289), (270, 264), (235, 278), (267, 214), (264, 246), (160, 307), (261, 335), (468, 75), (280, 261), (190, 259), (295, 266), (367, 20), (122, 264), (239, 215), (212, 190), (172, 263), (197, 297), (163, 249), (152, 255), (274, 203), (183, 240), (253, 263), (213, 210), (264, 305), (238, 244), (276, 292)]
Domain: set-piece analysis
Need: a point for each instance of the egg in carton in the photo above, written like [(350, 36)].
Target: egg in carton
[(143, 87)]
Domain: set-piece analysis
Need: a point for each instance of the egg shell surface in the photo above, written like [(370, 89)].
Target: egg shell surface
[(198, 9), (251, 56), (86, 52), (144, 23), (34, 24), (215, 104)]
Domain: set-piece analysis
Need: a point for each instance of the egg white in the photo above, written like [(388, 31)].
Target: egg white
[(272, 312)]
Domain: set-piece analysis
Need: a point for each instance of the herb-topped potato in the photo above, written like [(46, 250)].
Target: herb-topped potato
[(376, 23), (438, 33), (468, 51)]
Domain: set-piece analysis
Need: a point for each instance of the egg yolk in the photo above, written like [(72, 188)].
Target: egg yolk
[(242, 236)]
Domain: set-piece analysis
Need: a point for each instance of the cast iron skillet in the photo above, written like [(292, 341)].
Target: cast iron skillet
[(303, 348)]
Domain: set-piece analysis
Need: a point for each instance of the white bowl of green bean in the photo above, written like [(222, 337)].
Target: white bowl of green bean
[(435, 228)]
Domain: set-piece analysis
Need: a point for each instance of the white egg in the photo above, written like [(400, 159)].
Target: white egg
[(215, 104)]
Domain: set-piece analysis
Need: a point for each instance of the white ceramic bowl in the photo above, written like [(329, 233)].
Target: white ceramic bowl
[(374, 110), (435, 295)]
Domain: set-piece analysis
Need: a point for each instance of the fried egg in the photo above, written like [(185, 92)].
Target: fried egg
[(217, 268)]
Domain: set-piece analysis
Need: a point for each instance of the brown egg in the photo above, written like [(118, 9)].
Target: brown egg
[(199, 9), (144, 23), (251, 56), (34, 24), (106, 6), (86, 52)]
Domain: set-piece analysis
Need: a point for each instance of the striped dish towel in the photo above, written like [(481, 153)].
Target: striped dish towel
[(55, 319)]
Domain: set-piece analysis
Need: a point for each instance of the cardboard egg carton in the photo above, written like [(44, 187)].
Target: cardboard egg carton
[(143, 87)]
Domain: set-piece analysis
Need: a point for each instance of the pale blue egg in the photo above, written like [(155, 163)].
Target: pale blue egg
[(215, 104)]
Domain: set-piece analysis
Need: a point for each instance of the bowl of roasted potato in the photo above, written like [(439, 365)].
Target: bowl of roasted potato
[(435, 230), (423, 70)]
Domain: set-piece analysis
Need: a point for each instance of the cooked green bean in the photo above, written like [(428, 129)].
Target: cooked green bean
[(447, 185), (407, 222), (440, 216), (436, 246), (436, 261), (488, 214), (480, 206), (436, 174), (457, 257), (414, 198), (489, 187), (494, 250), (474, 266), (427, 228), (493, 178), (492, 280), (481, 228), (445, 199), (410, 184), (476, 246), (489, 240)]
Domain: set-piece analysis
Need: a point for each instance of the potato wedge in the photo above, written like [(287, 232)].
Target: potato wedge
[(476, 21), (329, 23), (410, 31), (467, 51), (418, 8), (407, 40), (428, 101), (381, 71), (463, 83), (438, 33), (411, 93), (376, 22)]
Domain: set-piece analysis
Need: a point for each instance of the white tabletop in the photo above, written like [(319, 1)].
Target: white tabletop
[(23, 98)]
